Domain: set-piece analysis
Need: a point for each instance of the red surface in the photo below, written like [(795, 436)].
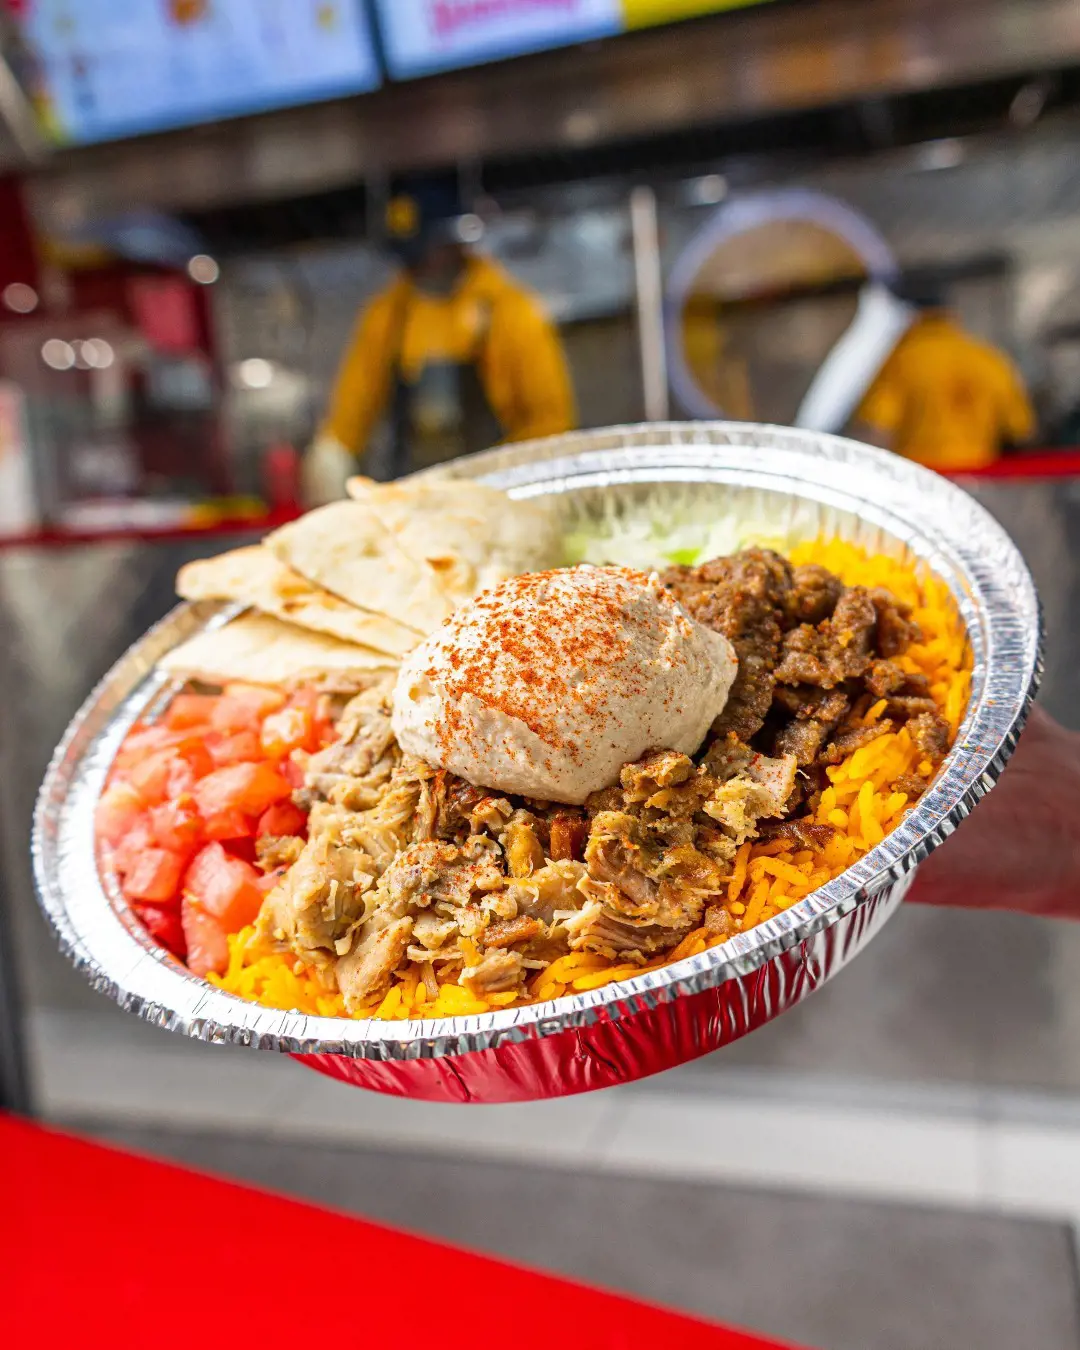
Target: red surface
[(1041, 465), (99, 1248), (1037, 464), (48, 538)]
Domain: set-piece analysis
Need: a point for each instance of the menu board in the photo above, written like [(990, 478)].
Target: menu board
[(423, 36), (102, 69)]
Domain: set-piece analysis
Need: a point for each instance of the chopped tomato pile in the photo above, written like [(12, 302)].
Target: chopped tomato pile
[(186, 801)]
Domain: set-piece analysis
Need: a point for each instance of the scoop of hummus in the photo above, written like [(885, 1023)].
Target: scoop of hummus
[(548, 684)]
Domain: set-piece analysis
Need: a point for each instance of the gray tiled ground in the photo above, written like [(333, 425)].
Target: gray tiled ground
[(836, 1274)]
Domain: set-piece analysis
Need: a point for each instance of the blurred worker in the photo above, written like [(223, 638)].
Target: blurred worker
[(454, 352), (719, 371), (942, 397)]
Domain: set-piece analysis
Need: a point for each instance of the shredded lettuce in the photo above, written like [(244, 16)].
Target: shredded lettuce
[(679, 526)]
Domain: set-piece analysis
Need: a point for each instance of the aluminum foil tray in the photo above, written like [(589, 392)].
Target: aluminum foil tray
[(793, 485)]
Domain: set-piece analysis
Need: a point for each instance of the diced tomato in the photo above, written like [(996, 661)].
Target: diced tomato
[(240, 748), (139, 838), (229, 825), (190, 763), (245, 849), (225, 887), (261, 696), (205, 939), (199, 755), (150, 777), (151, 740), (181, 779), (187, 796), (171, 772), (250, 788), (177, 825), (288, 730), (232, 715), (146, 741), (187, 711), (117, 811), (269, 880), (318, 705), (164, 926), (311, 700), (242, 706), (154, 875), (282, 818)]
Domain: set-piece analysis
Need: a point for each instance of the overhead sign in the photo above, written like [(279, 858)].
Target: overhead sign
[(649, 13), (101, 69), (423, 36)]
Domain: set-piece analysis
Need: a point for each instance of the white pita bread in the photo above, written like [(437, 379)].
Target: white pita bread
[(344, 548), (470, 535), (255, 577), (263, 650)]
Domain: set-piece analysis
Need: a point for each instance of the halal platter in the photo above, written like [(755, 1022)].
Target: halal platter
[(546, 771)]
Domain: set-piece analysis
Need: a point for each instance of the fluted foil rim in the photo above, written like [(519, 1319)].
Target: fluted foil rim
[(933, 518)]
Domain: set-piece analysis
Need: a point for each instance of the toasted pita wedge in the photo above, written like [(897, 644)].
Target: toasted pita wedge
[(344, 548), (262, 650), (255, 577), (470, 535)]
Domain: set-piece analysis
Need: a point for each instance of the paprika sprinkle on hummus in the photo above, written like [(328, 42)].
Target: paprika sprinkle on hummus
[(549, 683)]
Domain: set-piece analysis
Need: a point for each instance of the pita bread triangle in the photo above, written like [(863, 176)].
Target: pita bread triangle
[(254, 576)]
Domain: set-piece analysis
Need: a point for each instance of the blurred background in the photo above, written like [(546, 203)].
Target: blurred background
[(789, 211)]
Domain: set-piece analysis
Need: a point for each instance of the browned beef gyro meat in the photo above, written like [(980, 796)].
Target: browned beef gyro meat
[(408, 867), (742, 597), (815, 656)]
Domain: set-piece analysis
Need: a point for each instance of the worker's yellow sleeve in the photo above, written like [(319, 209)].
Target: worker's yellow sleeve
[(528, 380), (362, 386), (883, 407), (1017, 414), (719, 372)]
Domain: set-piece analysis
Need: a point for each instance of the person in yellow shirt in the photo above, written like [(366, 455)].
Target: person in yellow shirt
[(943, 397), (453, 352)]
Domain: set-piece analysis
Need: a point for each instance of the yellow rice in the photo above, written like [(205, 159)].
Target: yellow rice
[(766, 878)]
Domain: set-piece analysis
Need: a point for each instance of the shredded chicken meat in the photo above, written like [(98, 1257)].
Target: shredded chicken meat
[(406, 864)]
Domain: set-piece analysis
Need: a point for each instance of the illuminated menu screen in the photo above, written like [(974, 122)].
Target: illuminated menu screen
[(423, 36), (101, 69)]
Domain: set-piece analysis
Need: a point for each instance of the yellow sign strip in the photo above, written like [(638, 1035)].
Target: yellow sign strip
[(649, 13)]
